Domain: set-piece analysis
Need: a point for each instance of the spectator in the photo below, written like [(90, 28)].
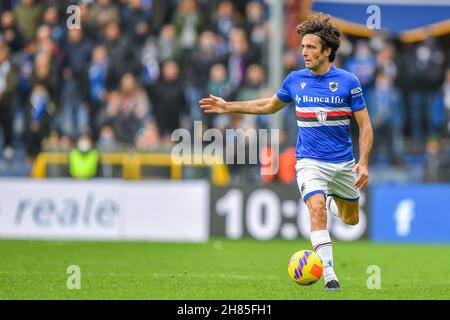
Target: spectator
[(256, 28), (226, 19), (28, 16), (168, 100), (103, 13), (45, 45), (425, 68), (135, 21), (65, 143), (84, 159), (197, 79), (122, 58), (385, 61), (253, 88), (40, 108), (345, 51), (51, 143), (290, 61), (219, 85), (155, 12), (127, 111), (386, 110), (43, 35), (8, 83), (10, 34), (74, 109), (25, 59), (244, 167), (362, 64), (45, 74), (255, 18), (189, 25), (292, 17), (441, 109), (433, 160), (87, 24), (167, 44), (57, 29), (158, 50), (239, 58), (437, 168), (107, 139), (97, 73), (6, 5), (78, 50), (74, 100), (254, 83), (149, 138)]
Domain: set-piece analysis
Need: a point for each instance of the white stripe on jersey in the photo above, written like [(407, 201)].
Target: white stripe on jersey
[(326, 123), (317, 109)]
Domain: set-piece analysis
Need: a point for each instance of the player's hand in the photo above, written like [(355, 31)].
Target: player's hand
[(363, 175), (213, 104)]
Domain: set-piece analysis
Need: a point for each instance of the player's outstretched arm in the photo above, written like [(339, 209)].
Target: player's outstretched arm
[(215, 104)]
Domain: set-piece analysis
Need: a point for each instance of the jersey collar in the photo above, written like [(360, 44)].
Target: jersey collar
[(331, 71)]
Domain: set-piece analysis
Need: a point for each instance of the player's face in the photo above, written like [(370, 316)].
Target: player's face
[(312, 52)]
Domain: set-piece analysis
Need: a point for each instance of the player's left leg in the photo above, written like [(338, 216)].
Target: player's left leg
[(347, 210), (343, 200)]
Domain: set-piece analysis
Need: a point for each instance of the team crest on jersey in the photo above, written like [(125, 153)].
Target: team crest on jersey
[(303, 84), (333, 86), (321, 116)]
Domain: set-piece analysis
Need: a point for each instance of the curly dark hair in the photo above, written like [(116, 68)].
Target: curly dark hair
[(330, 36)]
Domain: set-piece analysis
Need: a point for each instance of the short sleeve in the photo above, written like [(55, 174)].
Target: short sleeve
[(357, 101), (283, 93)]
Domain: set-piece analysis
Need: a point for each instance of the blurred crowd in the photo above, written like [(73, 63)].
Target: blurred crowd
[(132, 73), (407, 91), (136, 69)]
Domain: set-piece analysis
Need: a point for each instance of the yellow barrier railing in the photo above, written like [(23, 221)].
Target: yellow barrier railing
[(132, 164)]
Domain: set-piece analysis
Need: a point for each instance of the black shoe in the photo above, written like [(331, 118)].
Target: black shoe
[(332, 285)]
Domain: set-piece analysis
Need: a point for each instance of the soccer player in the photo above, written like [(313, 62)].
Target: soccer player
[(326, 98)]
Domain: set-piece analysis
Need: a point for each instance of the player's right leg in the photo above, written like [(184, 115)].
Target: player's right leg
[(312, 179), (320, 239)]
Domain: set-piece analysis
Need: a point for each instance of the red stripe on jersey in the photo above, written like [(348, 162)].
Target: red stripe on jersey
[(329, 114), (306, 114), (339, 113)]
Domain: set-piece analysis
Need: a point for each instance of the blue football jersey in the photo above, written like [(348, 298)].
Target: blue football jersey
[(323, 105)]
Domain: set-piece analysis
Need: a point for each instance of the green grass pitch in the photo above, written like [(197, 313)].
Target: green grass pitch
[(220, 269)]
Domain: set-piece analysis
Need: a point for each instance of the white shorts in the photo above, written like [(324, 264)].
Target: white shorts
[(332, 179)]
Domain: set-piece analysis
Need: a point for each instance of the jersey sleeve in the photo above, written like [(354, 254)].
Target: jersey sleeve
[(283, 93), (357, 101)]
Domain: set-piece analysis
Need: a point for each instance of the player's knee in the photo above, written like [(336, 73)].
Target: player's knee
[(318, 209)]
